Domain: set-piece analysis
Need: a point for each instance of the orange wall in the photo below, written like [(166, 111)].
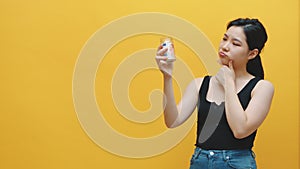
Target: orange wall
[(41, 42)]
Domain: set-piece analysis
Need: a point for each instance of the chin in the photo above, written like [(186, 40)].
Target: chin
[(225, 63)]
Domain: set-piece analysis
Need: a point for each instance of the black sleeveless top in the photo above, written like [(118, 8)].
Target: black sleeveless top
[(213, 131)]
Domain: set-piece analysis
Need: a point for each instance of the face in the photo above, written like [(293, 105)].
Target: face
[(233, 46)]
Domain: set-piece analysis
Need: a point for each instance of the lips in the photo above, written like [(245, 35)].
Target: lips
[(224, 59), (222, 54)]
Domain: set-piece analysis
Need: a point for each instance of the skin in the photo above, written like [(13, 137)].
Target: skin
[(224, 87)]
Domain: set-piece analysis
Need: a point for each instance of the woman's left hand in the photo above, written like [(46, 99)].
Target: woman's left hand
[(226, 74)]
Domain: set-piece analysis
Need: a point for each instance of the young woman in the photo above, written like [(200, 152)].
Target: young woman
[(231, 104)]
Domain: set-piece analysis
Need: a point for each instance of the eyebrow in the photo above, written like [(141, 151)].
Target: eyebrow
[(235, 39)]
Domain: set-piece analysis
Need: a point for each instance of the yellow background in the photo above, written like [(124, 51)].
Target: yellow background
[(41, 40)]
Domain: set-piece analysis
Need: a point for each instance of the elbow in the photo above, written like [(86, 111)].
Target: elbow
[(168, 125), (240, 134), (171, 125)]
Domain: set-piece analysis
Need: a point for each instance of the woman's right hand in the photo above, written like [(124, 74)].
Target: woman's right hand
[(164, 66)]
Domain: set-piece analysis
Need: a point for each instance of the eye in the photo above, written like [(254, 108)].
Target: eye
[(224, 39), (236, 44)]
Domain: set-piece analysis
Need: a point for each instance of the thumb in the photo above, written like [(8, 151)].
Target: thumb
[(230, 65)]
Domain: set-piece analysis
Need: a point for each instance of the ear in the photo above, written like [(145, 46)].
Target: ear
[(252, 54)]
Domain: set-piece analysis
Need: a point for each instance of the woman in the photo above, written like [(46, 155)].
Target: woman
[(231, 104)]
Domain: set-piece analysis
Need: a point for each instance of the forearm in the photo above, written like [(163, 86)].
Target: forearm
[(170, 110), (236, 116)]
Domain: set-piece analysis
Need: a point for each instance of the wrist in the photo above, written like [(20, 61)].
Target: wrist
[(230, 85), (167, 76)]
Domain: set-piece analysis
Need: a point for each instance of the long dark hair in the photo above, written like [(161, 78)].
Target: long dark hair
[(256, 37)]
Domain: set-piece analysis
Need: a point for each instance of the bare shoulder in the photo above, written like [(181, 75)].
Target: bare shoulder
[(198, 82), (264, 86)]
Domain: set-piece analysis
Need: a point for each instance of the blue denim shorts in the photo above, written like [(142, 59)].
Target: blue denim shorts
[(223, 159)]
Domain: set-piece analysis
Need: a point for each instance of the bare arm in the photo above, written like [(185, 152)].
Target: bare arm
[(244, 122), (176, 114)]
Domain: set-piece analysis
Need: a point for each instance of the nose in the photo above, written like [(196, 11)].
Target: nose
[(225, 47)]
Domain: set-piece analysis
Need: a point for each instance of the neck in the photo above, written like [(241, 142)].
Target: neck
[(242, 74)]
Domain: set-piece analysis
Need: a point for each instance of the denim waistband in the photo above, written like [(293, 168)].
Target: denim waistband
[(225, 154)]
